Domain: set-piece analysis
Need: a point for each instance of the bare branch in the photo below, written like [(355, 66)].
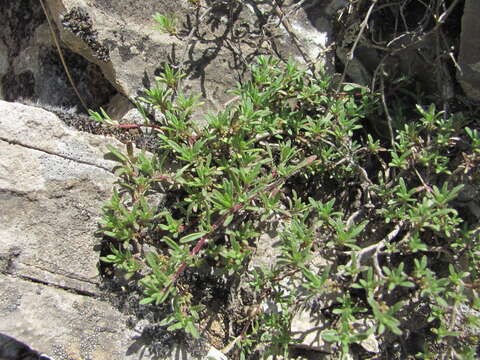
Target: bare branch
[(377, 247)]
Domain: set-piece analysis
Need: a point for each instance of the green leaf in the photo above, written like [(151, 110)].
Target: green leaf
[(167, 320), (117, 154), (172, 244), (330, 335), (192, 237), (152, 260), (147, 300), (192, 330), (228, 220), (164, 295), (112, 234), (175, 326), (351, 86), (110, 258)]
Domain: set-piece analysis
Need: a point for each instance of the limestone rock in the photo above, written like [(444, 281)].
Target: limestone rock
[(111, 47), (370, 343), (118, 43), (306, 330), (214, 354), (3, 63), (53, 182), (120, 37), (61, 324)]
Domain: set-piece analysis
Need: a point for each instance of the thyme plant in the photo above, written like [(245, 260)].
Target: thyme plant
[(294, 154)]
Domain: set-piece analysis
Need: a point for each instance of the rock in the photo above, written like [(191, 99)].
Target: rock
[(120, 38), (135, 49), (30, 66), (266, 252), (62, 324), (53, 181), (119, 106), (3, 63), (111, 47), (214, 354), (306, 329), (469, 55), (370, 343)]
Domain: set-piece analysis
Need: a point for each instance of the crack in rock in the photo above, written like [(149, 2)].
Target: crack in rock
[(56, 286), (14, 142)]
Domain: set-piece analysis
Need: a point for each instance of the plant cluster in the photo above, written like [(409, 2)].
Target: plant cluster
[(166, 23), (293, 153)]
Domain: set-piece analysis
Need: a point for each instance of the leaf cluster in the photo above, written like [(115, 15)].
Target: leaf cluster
[(264, 161)]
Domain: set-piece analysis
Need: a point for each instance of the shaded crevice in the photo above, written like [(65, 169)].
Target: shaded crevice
[(34, 70), (13, 349), (87, 77)]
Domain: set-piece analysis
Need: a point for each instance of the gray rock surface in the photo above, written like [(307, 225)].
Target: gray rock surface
[(53, 181), (3, 63), (112, 46), (61, 324), (120, 37), (30, 66)]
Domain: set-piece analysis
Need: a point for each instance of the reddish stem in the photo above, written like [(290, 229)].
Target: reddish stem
[(137, 126), (233, 210)]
